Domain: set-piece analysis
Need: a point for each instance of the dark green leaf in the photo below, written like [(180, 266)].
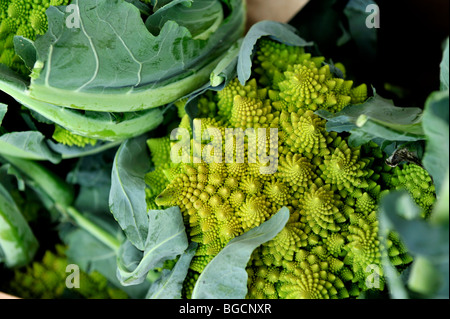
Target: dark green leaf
[(225, 276), (17, 241), (3, 110), (158, 4), (365, 38), (93, 175), (11, 178), (93, 199), (377, 118), (435, 123), (92, 170), (143, 8)]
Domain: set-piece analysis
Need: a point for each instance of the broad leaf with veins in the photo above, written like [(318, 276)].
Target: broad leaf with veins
[(112, 63)]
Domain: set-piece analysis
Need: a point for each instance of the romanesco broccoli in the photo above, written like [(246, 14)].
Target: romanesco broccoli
[(416, 180), (331, 241)]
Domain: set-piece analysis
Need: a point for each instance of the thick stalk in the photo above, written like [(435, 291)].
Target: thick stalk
[(101, 127), (57, 189), (93, 229)]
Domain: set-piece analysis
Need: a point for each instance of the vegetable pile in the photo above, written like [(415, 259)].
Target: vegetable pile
[(167, 153)]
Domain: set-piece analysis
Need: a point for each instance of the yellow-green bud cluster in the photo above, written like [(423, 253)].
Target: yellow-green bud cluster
[(416, 181), (299, 81), (46, 279), (66, 137), (331, 240)]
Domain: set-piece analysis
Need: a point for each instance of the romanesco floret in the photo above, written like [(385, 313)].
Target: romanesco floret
[(66, 137), (25, 18), (416, 181), (158, 178), (331, 242)]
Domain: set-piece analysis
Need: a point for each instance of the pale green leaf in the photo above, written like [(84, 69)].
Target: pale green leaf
[(377, 118), (200, 17), (425, 241), (117, 65), (226, 68), (25, 49), (435, 124), (275, 30), (440, 213), (225, 276), (127, 196), (74, 151), (170, 283), (166, 240), (444, 67), (403, 215), (98, 125), (28, 145), (92, 255), (424, 277)]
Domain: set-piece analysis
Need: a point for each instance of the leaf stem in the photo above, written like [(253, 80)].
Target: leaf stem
[(61, 194), (93, 229)]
